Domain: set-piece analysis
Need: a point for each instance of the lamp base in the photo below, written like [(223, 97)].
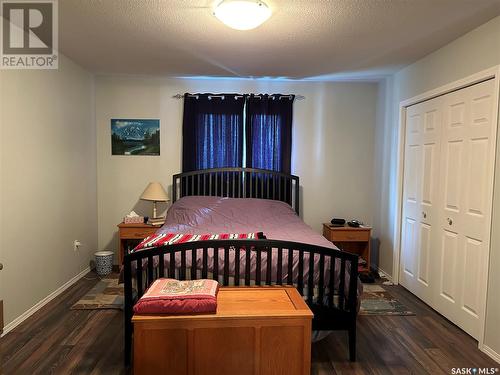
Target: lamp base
[(154, 210)]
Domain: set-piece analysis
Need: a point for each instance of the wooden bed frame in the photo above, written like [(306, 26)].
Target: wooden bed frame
[(334, 307)]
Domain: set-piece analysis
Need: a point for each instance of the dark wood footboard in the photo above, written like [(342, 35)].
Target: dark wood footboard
[(333, 300)]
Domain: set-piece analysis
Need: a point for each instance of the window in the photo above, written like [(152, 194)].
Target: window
[(219, 129), (269, 132), (212, 131), (219, 141)]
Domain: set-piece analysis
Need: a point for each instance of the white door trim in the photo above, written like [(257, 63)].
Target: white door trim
[(494, 73)]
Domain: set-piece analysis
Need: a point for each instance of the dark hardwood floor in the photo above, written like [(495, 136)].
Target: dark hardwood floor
[(62, 341)]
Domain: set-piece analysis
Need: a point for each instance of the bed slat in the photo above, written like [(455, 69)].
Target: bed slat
[(139, 278), (342, 284), (183, 266), (240, 182), (353, 287), (331, 284), (161, 264), (279, 267), (216, 184), (286, 190), (237, 252), (234, 185), (258, 264), (194, 253), (250, 182), (226, 266), (279, 188), (171, 259), (263, 186), (267, 186), (269, 259), (204, 269), (321, 280), (216, 264), (247, 266), (150, 271), (274, 186), (310, 282), (300, 276)]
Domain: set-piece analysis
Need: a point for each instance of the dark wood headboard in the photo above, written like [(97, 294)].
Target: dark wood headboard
[(238, 183)]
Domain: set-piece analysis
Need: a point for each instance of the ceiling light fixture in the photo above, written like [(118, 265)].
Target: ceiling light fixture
[(242, 14)]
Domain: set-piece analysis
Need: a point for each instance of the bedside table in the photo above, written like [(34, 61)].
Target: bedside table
[(134, 231), (353, 240)]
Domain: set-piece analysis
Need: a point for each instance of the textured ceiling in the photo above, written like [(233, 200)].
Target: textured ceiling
[(302, 39)]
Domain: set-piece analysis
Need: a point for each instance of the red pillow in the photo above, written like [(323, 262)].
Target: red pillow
[(170, 296)]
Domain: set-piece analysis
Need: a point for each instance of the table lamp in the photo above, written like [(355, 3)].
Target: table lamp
[(154, 192)]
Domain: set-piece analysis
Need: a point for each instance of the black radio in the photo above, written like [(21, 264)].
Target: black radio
[(337, 222)]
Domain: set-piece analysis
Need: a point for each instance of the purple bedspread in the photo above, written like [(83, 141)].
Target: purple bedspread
[(277, 220)]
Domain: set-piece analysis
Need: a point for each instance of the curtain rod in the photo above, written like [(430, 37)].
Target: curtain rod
[(297, 97)]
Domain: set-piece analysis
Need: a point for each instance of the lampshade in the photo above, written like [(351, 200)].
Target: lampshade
[(154, 192), (242, 14)]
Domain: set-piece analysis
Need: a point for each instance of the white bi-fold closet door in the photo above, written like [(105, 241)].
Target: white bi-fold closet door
[(447, 201)]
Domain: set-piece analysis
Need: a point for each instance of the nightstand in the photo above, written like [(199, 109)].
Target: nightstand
[(134, 231), (350, 239)]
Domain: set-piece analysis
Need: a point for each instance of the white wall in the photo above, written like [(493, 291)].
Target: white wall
[(471, 53), (333, 144), (48, 180)]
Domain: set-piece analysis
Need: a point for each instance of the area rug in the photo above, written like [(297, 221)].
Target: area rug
[(376, 300), (106, 294)]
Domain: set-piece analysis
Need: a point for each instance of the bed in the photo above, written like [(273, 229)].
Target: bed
[(243, 200)]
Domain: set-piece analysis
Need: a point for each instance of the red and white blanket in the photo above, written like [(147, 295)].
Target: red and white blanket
[(163, 239)]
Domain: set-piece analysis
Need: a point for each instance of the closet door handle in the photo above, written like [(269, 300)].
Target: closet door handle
[(424, 214), (450, 222)]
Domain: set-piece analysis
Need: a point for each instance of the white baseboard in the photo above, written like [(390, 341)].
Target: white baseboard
[(21, 318), (491, 353), (385, 274)]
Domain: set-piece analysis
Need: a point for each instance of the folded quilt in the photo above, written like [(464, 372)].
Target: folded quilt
[(162, 239), (170, 296)]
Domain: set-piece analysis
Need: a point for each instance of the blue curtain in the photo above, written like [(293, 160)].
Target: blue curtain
[(219, 141), (212, 131), (269, 132)]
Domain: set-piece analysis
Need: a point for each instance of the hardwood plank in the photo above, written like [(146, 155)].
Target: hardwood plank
[(62, 341), (1, 316)]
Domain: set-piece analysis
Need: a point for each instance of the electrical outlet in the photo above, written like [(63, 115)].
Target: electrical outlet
[(76, 245)]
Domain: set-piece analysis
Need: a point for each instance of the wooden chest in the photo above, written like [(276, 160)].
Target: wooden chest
[(264, 330)]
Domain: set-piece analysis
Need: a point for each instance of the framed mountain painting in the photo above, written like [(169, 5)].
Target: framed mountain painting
[(135, 137)]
